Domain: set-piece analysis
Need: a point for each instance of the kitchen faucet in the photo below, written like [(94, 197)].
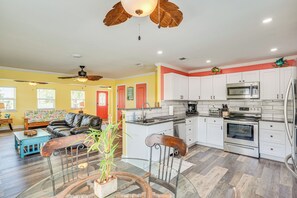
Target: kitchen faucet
[(143, 115)]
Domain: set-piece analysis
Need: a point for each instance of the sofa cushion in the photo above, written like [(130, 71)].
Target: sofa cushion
[(69, 118), (95, 121), (86, 120), (77, 120)]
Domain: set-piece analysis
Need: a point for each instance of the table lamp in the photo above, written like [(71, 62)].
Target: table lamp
[(2, 106), (81, 105)]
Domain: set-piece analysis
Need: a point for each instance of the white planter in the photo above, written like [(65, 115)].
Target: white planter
[(103, 190)]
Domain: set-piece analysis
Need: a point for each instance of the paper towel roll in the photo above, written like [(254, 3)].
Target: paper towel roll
[(170, 110)]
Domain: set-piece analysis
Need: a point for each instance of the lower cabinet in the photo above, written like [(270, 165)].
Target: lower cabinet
[(135, 146), (273, 141), (191, 130), (210, 132)]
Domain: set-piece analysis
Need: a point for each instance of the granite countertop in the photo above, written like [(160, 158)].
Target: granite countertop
[(163, 119)]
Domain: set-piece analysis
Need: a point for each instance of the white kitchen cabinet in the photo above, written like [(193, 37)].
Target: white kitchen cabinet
[(194, 88), (234, 77), (213, 87), (135, 139), (201, 132), (273, 141), (206, 88), (210, 132), (274, 82), (250, 76), (285, 76), (191, 130), (269, 84), (215, 136), (176, 87), (219, 87)]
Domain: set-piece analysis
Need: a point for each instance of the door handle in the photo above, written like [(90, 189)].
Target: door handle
[(277, 96), (289, 134)]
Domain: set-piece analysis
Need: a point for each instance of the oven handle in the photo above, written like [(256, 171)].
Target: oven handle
[(240, 122)]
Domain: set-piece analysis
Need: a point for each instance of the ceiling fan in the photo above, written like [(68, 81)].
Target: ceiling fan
[(33, 83), (82, 76), (162, 12)]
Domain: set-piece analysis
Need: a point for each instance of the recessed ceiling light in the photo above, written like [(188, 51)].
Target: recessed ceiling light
[(76, 55), (208, 61), (183, 58), (273, 49), (160, 52), (268, 20)]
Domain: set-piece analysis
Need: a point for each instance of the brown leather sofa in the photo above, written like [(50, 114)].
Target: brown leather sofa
[(74, 124)]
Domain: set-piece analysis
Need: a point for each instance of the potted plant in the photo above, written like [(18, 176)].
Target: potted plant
[(105, 142)]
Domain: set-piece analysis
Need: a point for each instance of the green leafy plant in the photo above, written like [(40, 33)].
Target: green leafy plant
[(104, 141)]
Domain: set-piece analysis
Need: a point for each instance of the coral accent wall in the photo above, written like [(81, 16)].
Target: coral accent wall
[(165, 70)]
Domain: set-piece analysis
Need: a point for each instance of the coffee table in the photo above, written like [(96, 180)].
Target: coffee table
[(29, 145)]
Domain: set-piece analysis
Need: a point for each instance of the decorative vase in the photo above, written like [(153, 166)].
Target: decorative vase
[(105, 189)]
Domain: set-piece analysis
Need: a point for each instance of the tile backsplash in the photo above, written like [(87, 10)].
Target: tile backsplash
[(271, 109)]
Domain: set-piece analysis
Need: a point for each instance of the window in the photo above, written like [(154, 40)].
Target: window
[(77, 99), (8, 97), (46, 98)]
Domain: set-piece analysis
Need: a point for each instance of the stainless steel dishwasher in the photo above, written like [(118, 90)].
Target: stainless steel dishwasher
[(179, 127)]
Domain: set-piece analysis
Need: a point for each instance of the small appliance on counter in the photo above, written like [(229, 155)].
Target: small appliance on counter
[(192, 108), (213, 111)]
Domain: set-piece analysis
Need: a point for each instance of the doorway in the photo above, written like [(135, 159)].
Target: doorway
[(121, 98), (141, 95), (102, 104)]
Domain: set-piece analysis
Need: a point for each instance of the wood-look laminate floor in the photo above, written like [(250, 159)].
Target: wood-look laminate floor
[(215, 172)]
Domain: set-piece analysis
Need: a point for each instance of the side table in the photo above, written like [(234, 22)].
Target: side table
[(8, 121), (29, 145)]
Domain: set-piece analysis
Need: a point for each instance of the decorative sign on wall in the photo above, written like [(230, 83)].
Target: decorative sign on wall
[(130, 93)]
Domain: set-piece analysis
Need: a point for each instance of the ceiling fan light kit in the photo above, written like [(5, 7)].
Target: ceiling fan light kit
[(139, 8), (162, 12), (82, 79)]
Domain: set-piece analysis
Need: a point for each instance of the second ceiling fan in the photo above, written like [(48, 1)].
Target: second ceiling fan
[(162, 12)]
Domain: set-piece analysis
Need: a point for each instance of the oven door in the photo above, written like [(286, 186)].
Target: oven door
[(241, 132)]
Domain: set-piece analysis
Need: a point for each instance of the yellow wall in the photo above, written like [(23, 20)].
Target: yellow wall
[(26, 95)]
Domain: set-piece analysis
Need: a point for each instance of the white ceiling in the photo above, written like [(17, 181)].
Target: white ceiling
[(43, 35)]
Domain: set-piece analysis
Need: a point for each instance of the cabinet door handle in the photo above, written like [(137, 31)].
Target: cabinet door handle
[(214, 97), (204, 119), (214, 121), (221, 127), (240, 81), (271, 125), (210, 97), (199, 97), (282, 96), (243, 81), (271, 136), (271, 149), (277, 96)]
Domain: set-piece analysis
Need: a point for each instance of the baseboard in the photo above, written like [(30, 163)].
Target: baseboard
[(209, 145)]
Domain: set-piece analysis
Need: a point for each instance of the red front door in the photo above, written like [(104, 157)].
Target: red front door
[(140, 95), (121, 100), (102, 104)]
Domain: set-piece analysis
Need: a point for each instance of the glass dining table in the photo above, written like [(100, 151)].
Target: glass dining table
[(80, 181)]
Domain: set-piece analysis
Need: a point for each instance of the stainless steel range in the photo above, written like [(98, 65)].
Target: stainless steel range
[(241, 131)]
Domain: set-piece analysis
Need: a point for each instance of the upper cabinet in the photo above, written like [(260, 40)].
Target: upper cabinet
[(194, 88), (274, 82), (176, 87), (213, 87), (251, 76)]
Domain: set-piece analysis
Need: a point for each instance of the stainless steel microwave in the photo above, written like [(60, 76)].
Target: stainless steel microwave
[(243, 90)]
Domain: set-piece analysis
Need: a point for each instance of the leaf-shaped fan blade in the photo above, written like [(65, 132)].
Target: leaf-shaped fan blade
[(68, 77), (116, 16), (42, 83), (94, 78), (170, 15), (21, 81)]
